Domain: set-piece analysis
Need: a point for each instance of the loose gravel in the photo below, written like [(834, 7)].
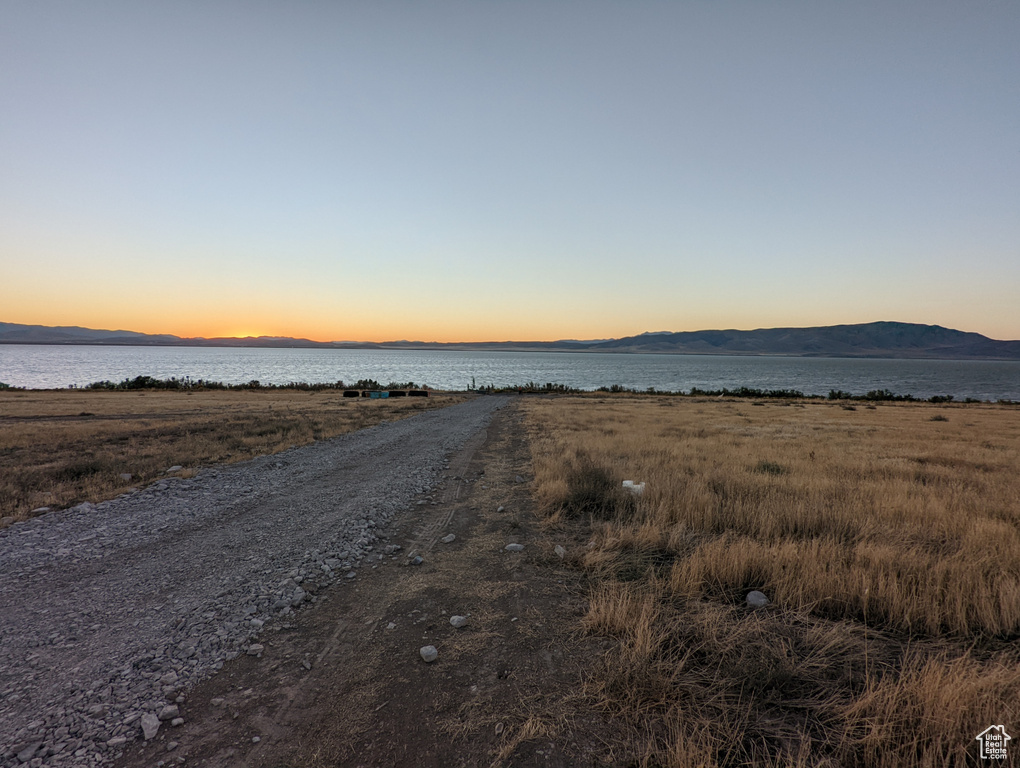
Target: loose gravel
[(110, 613)]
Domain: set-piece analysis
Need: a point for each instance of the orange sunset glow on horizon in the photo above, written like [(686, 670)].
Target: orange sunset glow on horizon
[(670, 168)]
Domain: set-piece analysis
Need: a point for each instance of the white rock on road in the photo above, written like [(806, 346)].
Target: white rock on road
[(150, 726)]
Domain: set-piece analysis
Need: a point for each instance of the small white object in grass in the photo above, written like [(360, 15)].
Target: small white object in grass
[(560, 551), (514, 547), (635, 488), (757, 599), (429, 653), (458, 621)]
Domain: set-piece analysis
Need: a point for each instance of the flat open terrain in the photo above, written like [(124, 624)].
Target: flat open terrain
[(62, 447), (110, 613), (886, 539)]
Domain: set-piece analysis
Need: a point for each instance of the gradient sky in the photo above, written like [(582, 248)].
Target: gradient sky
[(508, 170)]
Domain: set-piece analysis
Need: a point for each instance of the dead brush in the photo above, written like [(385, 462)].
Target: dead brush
[(731, 686), (929, 713), (868, 515), (595, 493), (634, 553), (722, 672)]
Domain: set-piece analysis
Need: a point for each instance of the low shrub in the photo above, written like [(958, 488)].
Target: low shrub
[(769, 468), (593, 491), (174, 383)]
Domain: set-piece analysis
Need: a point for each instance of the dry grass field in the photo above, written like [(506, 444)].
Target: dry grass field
[(59, 448), (886, 537)]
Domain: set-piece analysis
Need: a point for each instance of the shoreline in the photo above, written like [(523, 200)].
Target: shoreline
[(148, 383)]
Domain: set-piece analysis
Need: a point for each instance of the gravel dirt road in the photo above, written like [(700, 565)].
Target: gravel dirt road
[(111, 614)]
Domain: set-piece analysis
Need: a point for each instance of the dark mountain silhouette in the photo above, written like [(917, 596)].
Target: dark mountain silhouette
[(14, 333), (880, 339)]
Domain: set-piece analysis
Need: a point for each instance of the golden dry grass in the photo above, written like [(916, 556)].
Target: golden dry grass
[(59, 448), (888, 543)]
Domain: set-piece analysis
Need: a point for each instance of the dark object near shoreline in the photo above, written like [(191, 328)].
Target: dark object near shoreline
[(372, 388), (361, 388)]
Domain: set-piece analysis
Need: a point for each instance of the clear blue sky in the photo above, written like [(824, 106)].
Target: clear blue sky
[(508, 170)]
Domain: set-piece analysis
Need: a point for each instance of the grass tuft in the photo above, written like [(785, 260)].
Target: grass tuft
[(595, 492)]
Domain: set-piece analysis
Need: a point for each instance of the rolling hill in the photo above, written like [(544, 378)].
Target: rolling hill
[(878, 339)]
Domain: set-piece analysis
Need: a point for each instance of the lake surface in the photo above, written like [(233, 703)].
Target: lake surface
[(57, 367)]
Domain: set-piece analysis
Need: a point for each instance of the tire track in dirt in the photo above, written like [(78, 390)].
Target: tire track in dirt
[(427, 536), (424, 539)]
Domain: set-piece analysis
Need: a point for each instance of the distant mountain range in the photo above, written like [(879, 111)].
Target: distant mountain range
[(881, 339)]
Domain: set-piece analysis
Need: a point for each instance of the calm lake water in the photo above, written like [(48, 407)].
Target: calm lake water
[(56, 367)]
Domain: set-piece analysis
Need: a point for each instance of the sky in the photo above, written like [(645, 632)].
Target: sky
[(497, 170)]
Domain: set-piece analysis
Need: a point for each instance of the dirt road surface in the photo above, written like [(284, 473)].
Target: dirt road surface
[(271, 613)]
